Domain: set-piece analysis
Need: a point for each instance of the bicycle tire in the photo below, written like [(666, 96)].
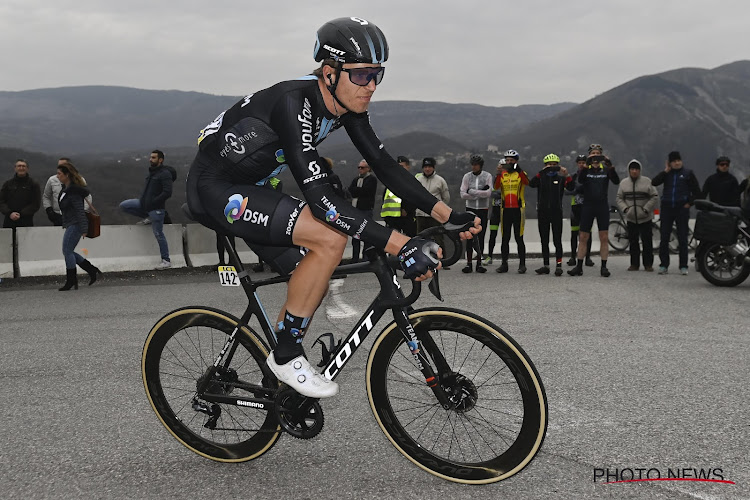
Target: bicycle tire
[(504, 438), (177, 352), (618, 236)]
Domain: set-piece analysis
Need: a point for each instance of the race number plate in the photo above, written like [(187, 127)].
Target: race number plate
[(228, 276)]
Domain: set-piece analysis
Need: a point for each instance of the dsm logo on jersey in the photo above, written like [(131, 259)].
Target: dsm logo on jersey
[(236, 209)]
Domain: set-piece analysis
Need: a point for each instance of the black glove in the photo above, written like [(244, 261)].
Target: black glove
[(460, 221), (50, 211), (607, 162), (418, 256), (486, 187)]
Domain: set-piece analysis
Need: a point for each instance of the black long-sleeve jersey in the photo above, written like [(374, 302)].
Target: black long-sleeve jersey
[(280, 127)]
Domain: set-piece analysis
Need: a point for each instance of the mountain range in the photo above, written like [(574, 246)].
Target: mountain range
[(109, 131)]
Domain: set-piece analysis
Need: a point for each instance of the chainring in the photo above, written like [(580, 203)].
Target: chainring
[(299, 416)]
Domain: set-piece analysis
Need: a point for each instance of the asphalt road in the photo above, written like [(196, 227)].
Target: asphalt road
[(641, 371)]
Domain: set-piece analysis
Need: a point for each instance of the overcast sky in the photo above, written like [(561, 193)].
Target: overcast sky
[(497, 53)]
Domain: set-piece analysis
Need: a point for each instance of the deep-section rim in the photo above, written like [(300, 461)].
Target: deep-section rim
[(230, 321)]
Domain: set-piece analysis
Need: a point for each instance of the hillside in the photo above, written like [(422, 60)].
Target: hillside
[(702, 113)]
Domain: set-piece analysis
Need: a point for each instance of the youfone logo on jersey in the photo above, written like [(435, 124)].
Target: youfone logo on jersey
[(236, 209), (307, 126)]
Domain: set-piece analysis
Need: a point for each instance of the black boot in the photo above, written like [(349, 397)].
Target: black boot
[(71, 280), (93, 272)]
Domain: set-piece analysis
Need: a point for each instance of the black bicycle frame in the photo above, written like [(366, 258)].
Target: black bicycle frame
[(390, 297)]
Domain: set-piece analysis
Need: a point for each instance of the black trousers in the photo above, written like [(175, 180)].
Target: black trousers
[(553, 221), (641, 232), (669, 217)]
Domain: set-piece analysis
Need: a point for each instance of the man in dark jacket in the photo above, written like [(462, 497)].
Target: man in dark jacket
[(363, 189), (722, 187), (681, 188), (20, 198), (151, 203)]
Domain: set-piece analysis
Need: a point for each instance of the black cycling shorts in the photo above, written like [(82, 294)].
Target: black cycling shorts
[(598, 211), (263, 217)]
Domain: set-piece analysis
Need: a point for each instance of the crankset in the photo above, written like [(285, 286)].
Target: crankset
[(462, 393), (299, 416)]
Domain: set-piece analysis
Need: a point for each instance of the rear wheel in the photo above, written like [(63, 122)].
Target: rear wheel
[(497, 417), (177, 355), (719, 267), (618, 236)]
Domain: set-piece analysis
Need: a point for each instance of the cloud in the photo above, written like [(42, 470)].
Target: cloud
[(469, 51)]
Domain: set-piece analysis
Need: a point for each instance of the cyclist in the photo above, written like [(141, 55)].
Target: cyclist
[(551, 181), (595, 184), (576, 204), (279, 128), (513, 181)]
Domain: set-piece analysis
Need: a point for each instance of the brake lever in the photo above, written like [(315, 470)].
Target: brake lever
[(434, 286)]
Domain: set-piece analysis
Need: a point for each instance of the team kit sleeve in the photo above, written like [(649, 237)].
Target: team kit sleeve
[(293, 121)]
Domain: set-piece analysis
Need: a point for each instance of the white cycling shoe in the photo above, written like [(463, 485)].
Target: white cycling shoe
[(302, 377)]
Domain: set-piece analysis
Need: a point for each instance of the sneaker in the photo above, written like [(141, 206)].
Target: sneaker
[(589, 262), (164, 264), (605, 272), (503, 268), (300, 376), (684, 271), (633, 268), (487, 261), (467, 269), (521, 269), (572, 261), (480, 268), (662, 270), (144, 222), (446, 268), (576, 271), (542, 270), (558, 271), (648, 269)]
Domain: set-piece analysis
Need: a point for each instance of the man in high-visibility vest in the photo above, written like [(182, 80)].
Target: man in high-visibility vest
[(398, 214)]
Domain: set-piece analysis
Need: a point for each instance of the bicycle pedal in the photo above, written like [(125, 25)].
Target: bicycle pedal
[(326, 351)]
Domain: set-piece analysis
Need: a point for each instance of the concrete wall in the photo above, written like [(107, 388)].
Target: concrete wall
[(200, 245), (119, 248), (6, 253)]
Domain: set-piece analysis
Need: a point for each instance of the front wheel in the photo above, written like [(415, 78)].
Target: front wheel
[(497, 416), (719, 267), (177, 355), (618, 236)]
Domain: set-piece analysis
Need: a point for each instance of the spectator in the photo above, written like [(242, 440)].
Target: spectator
[(637, 199), (476, 188), (438, 188), (362, 189), (551, 181), (52, 192), (681, 189), (398, 214), (594, 181), (335, 181), (722, 187), (150, 205), (513, 181), (20, 198), (576, 204), (71, 202), (495, 212), (745, 196)]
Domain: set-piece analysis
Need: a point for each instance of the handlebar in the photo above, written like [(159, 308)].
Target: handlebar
[(453, 234)]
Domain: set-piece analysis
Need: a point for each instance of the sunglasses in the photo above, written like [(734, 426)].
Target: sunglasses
[(723, 164), (363, 76), (595, 146)]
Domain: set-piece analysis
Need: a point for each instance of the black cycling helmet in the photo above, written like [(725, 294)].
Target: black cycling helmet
[(476, 160), (350, 40), (581, 158), (723, 159)]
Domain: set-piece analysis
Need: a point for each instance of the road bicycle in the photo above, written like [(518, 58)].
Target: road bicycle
[(454, 393), (618, 234)]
